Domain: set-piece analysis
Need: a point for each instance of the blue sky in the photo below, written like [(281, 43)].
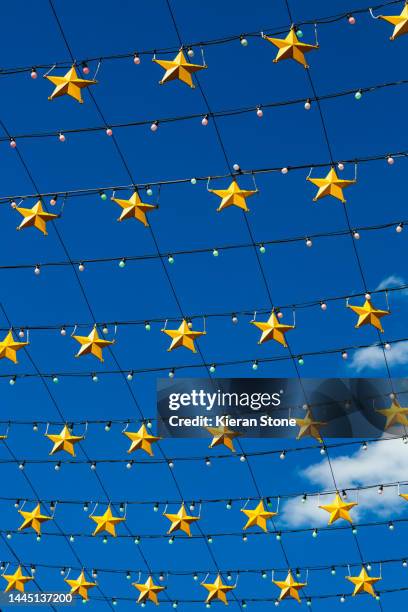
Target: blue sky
[(349, 57)]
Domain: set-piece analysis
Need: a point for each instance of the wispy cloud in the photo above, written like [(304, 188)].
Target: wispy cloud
[(372, 357), (393, 281)]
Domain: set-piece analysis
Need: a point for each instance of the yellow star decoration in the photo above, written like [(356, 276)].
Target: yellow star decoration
[(217, 590), (148, 590), (183, 336), (92, 344), (223, 435), (181, 521), (273, 330), (338, 509), (395, 414), (331, 185), (35, 217), (134, 208), (64, 441), (309, 427), (404, 496), (9, 347), (69, 84), (80, 586), (16, 581), (179, 68), (363, 583), (106, 522), (233, 196), (258, 516), (289, 587), (291, 48), (369, 315), (141, 439), (399, 21), (33, 519)]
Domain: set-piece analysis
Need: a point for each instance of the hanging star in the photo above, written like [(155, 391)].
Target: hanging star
[(233, 196), (273, 330), (395, 414), (183, 336), (404, 496), (338, 509), (289, 587), (80, 586), (179, 68), (92, 344), (223, 435), (148, 591), (217, 590), (363, 582), (106, 522), (399, 21), (35, 217), (369, 315), (69, 84), (258, 516), (33, 519), (16, 581), (309, 427), (64, 441), (141, 439), (331, 185), (9, 347), (134, 208), (291, 48), (181, 521)]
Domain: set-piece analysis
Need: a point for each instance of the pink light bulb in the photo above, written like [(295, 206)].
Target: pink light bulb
[(85, 69), (61, 137), (109, 132), (285, 170), (340, 166), (259, 112), (204, 120), (136, 59), (352, 20), (154, 126), (34, 74), (13, 143), (390, 160)]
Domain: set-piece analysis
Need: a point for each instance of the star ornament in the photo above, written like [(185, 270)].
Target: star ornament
[(233, 196), (9, 347), (330, 185), (16, 581), (92, 344), (217, 590), (134, 208), (369, 315), (181, 521), (258, 516), (69, 84), (338, 509), (148, 591), (309, 427), (223, 435), (178, 69), (35, 217), (273, 330), (141, 439), (395, 414), (363, 583), (106, 522), (64, 441), (80, 586), (399, 21), (291, 48), (289, 587), (33, 519), (183, 336)]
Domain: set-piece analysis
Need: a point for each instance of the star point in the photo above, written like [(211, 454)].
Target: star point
[(181, 521), (106, 522), (395, 414), (222, 435), (233, 196), (258, 516), (80, 586), (217, 590), (183, 336), (148, 591), (338, 509), (92, 344), (16, 581), (178, 69), (363, 583), (69, 84), (369, 315), (400, 22), (289, 587), (35, 217), (141, 439), (33, 519), (291, 48), (9, 347), (134, 208), (273, 330), (309, 427), (64, 441), (330, 185)]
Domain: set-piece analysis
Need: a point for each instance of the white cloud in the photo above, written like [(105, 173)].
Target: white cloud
[(372, 357), (393, 281)]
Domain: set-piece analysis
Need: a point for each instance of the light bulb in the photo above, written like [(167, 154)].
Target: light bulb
[(204, 120), (53, 200), (63, 331), (55, 380), (255, 365), (154, 126), (12, 380), (244, 41), (301, 361), (259, 112), (81, 267), (262, 249), (323, 305), (340, 166), (34, 73), (13, 143), (136, 59), (308, 104), (149, 191), (122, 263), (387, 346), (285, 170), (234, 318), (193, 181), (94, 378), (236, 167), (309, 243), (358, 95), (171, 373), (215, 252), (356, 235), (212, 368), (368, 296), (351, 20), (190, 52), (282, 455), (129, 465), (103, 196), (399, 228), (390, 160), (37, 270), (21, 333), (109, 132), (147, 326), (85, 68), (129, 376), (61, 137), (170, 259), (299, 33)]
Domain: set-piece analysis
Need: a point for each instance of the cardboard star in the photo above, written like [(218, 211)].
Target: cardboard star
[(183, 336), (289, 587), (69, 84), (181, 521), (369, 315), (33, 519), (16, 581), (338, 509), (309, 427), (148, 590), (395, 414), (331, 185), (80, 586), (273, 330), (9, 347), (141, 439), (363, 582), (258, 516), (217, 590), (92, 344), (223, 435), (106, 522), (134, 208), (399, 21), (35, 217), (233, 196), (64, 441), (179, 68), (291, 48)]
